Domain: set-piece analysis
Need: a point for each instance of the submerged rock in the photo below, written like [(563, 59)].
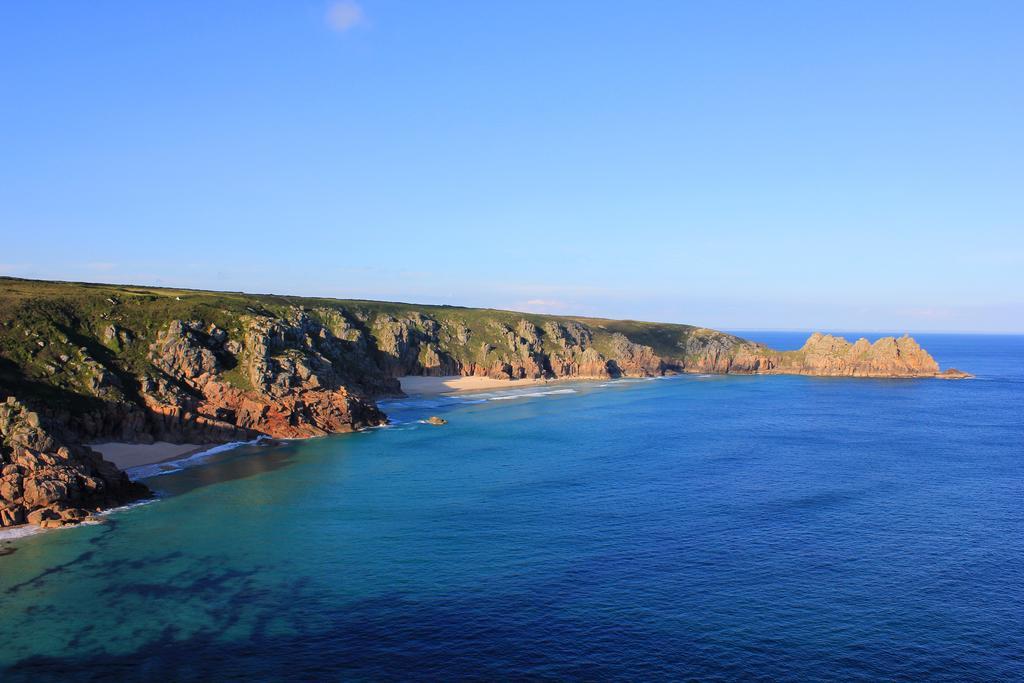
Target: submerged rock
[(435, 420)]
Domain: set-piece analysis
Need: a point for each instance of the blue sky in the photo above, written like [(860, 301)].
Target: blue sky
[(733, 164)]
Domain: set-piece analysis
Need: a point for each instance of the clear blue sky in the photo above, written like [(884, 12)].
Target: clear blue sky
[(840, 165)]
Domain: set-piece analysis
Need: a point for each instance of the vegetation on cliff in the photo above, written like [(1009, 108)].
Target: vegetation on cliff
[(141, 364)]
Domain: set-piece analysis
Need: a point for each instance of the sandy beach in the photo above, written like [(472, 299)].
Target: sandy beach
[(421, 386), (126, 455)]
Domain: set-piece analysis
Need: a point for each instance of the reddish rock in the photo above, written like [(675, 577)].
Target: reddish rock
[(46, 481)]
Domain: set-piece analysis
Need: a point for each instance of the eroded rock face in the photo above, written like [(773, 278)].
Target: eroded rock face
[(412, 345), (301, 382), (50, 483), (824, 354), (712, 352), (635, 359)]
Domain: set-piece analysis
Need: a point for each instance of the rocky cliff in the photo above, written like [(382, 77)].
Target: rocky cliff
[(138, 364)]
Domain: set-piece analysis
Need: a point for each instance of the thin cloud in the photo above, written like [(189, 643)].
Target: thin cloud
[(344, 15), (542, 306)]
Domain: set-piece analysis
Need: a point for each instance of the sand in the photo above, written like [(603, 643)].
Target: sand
[(421, 386), (126, 455)]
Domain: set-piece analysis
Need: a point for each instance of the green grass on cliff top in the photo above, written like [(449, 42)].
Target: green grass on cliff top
[(150, 307)]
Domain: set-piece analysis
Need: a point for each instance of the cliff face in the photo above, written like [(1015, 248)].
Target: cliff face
[(291, 380), (98, 362)]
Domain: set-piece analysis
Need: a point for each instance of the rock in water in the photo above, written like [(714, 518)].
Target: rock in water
[(435, 420)]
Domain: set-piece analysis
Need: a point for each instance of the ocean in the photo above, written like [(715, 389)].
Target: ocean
[(694, 527)]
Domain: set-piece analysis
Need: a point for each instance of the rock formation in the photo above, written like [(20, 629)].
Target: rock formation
[(824, 354)]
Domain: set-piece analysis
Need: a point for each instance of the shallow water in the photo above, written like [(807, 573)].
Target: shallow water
[(705, 527)]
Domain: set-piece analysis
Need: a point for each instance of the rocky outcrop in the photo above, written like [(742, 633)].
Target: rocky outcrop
[(48, 482), (824, 354)]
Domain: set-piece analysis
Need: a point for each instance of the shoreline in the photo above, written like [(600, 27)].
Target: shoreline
[(419, 385), (138, 460), (142, 456), (154, 469), (130, 455)]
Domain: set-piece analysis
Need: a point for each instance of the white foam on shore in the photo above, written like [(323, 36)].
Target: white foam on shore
[(413, 402), (13, 532), (408, 410), (26, 530), (141, 472), (157, 469), (533, 394), (122, 508)]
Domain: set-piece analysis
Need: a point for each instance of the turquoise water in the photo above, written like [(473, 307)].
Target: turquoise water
[(703, 527)]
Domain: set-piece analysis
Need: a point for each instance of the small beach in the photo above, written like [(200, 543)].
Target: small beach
[(126, 455), (432, 386)]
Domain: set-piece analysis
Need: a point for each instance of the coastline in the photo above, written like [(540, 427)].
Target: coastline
[(139, 461), (418, 385), (129, 455)]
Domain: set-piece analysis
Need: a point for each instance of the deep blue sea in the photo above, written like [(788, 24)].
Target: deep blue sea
[(708, 528)]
